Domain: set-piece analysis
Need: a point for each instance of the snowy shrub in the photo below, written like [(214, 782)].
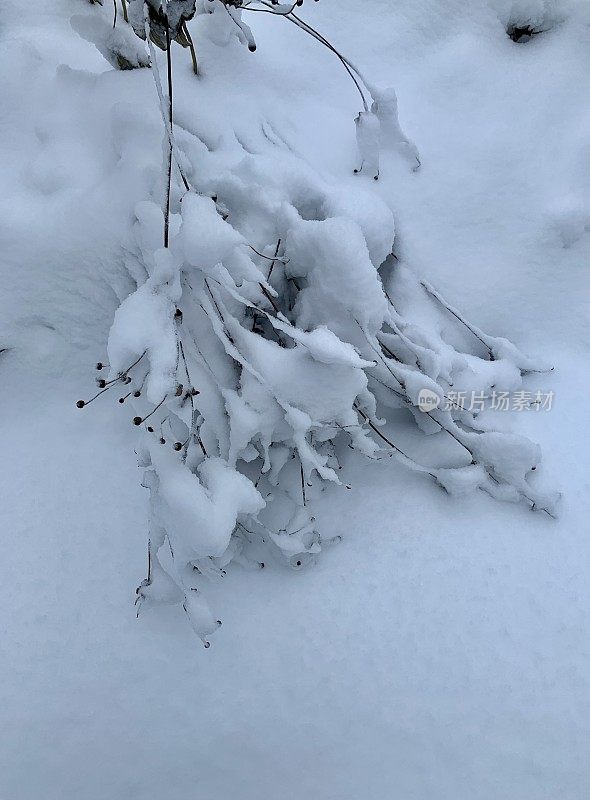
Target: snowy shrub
[(271, 330)]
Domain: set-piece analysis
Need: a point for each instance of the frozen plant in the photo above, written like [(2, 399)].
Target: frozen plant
[(271, 330)]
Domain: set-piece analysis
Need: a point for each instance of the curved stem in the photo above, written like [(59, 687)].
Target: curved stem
[(191, 47), (312, 32)]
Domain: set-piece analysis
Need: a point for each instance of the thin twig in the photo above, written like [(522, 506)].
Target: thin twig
[(156, 74), (186, 32), (170, 147), (302, 483), (433, 293), (192, 399), (270, 258), (274, 260), (318, 36)]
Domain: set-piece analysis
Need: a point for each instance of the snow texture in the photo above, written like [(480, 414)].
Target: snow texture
[(440, 649)]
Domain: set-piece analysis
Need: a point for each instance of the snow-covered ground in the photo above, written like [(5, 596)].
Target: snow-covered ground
[(441, 650)]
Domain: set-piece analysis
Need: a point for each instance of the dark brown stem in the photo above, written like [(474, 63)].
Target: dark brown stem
[(302, 484), (169, 175), (191, 47), (274, 260), (269, 297), (192, 399), (430, 291), (140, 420)]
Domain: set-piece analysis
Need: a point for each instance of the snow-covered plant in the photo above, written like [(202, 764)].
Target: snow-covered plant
[(271, 330)]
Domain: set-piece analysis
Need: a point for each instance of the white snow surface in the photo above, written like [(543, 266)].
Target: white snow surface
[(440, 651)]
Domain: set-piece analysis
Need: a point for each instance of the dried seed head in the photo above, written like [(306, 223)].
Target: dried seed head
[(100, 365), (101, 383), (80, 404), (136, 393), (121, 399), (162, 440), (178, 446), (137, 420), (150, 429)]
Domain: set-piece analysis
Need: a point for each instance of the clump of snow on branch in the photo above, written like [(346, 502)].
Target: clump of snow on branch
[(117, 44)]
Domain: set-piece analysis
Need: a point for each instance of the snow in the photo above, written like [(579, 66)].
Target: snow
[(441, 648), (143, 324), (201, 619), (207, 240), (368, 142), (118, 45), (334, 258), (324, 346), (200, 513), (385, 108), (424, 652)]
